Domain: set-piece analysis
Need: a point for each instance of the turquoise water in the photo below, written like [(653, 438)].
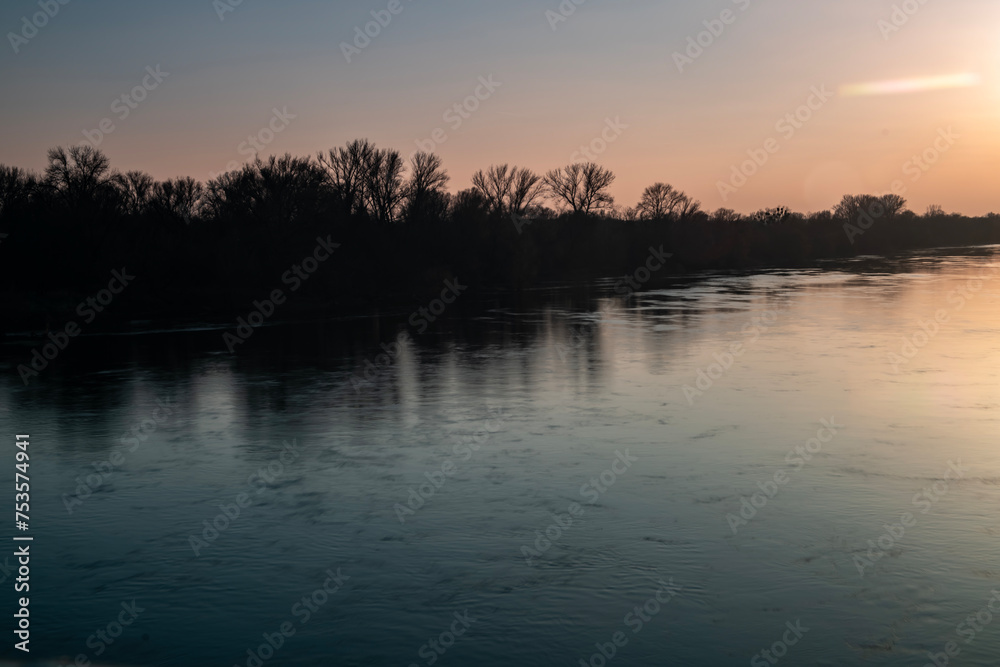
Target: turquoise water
[(799, 462)]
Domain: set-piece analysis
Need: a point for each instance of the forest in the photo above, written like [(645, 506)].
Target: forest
[(206, 251)]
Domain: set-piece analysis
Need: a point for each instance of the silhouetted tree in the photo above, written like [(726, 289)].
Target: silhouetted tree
[(771, 216), (581, 187), (81, 179), (384, 188), (885, 207), (179, 198), (17, 187), (135, 188), (661, 201), (726, 215), (347, 170), (425, 195), (508, 189), (469, 204)]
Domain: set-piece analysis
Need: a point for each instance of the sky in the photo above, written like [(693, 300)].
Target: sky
[(620, 77)]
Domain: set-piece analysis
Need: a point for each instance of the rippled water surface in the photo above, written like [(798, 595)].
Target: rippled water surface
[(802, 448)]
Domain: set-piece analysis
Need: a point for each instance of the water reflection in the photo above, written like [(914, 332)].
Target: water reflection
[(579, 375)]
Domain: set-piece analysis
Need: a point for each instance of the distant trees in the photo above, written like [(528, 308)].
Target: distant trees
[(347, 174), (361, 180), (250, 224), (178, 198), (17, 187), (80, 178), (661, 201), (726, 215), (582, 188), (135, 188), (507, 189), (771, 216), (854, 207), (278, 190)]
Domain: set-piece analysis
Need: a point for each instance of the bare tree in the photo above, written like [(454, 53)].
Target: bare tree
[(582, 188), (135, 188), (894, 204), (494, 185), (347, 168), (425, 189), (384, 187), (16, 188), (177, 197), (508, 189), (726, 215), (80, 176), (526, 191), (664, 201), (857, 207)]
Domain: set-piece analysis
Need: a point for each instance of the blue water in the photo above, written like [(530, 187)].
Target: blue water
[(569, 407)]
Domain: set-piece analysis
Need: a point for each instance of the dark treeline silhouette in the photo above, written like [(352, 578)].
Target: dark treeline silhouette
[(208, 250)]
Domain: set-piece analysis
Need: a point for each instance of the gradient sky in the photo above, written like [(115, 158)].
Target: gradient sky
[(608, 60)]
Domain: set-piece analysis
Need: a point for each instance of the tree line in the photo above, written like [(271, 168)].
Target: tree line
[(203, 248)]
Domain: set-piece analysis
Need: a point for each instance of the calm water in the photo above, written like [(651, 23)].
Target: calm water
[(517, 413)]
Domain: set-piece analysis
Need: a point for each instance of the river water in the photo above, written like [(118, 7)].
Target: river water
[(802, 462)]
